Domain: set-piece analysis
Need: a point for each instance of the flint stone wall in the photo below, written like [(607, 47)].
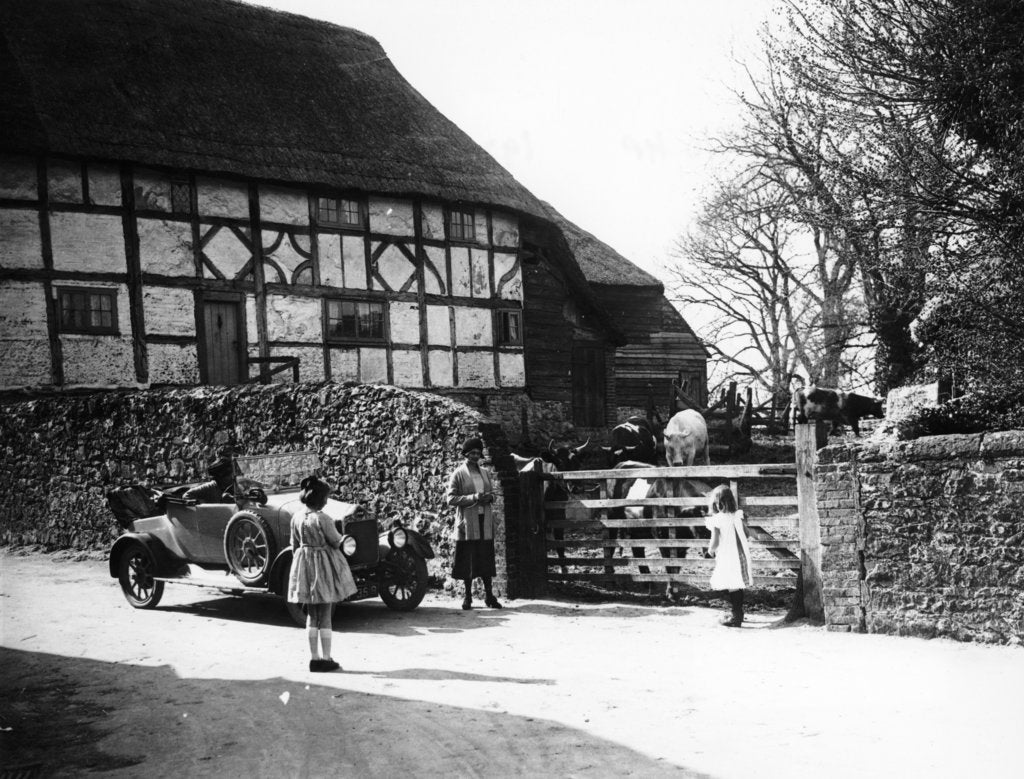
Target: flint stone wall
[(385, 447), (925, 537)]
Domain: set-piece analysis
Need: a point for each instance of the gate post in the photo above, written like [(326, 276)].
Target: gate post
[(809, 437), (532, 578)]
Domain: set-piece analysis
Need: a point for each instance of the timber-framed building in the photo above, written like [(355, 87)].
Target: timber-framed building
[(207, 192)]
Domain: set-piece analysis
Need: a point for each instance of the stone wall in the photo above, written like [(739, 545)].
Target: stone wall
[(388, 448), (925, 537)]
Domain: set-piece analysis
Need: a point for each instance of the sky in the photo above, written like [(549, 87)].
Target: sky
[(603, 108)]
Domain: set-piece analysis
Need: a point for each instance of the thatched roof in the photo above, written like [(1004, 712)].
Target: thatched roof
[(222, 86), (600, 263)]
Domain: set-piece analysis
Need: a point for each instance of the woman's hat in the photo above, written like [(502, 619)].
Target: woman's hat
[(472, 443)]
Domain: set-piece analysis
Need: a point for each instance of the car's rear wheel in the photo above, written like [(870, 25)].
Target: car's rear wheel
[(135, 573), (403, 580), (249, 548)]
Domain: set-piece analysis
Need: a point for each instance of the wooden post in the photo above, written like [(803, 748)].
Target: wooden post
[(809, 438), (532, 578)]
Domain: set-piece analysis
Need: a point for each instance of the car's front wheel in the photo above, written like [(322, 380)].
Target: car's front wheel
[(249, 548), (403, 580), (135, 573)]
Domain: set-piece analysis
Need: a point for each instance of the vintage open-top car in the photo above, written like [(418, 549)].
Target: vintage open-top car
[(240, 542)]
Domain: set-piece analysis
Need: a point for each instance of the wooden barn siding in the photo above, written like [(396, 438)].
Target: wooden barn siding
[(548, 339)]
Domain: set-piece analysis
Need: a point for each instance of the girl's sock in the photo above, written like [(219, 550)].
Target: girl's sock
[(314, 648), (325, 642)]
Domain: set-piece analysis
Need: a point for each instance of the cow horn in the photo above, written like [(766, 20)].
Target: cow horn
[(520, 461), (579, 449), (551, 445)]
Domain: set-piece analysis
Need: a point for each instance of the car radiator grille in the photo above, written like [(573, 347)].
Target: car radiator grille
[(364, 531)]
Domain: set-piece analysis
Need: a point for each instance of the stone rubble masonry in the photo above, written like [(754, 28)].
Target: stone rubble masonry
[(926, 537), (388, 448)]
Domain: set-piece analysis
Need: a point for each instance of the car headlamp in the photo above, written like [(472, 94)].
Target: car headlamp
[(348, 546), (398, 537)]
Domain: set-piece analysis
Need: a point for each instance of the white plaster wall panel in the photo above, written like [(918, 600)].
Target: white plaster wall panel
[(480, 227), (98, 361), (373, 366), (405, 323), (173, 364), (441, 374), (20, 244), (432, 224), (289, 206), (169, 311), (480, 270), (473, 327), (504, 230), (285, 256), (439, 328), (435, 284), (228, 254), (408, 367), (294, 319), (511, 369), (250, 323), (23, 310), (64, 181), (152, 190), (165, 247), (253, 352), (353, 250), (24, 362), (460, 272), (328, 248), (391, 217), (217, 197), (345, 364), (511, 288), (18, 177), (88, 242), (395, 268), (476, 369), (311, 363), (104, 184)]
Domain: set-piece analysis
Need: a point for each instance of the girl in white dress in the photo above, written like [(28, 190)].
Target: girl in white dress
[(730, 549), (320, 576)]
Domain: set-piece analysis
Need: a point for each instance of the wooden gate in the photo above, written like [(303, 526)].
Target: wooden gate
[(583, 539)]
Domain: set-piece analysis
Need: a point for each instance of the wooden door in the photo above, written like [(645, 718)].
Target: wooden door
[(588, 385), (222, 338)]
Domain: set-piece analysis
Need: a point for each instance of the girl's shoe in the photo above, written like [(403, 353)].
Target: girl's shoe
[(330, 665), (732, 622), (316, 666)]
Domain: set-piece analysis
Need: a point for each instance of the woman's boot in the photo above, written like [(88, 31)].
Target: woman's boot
[(489, 599), (467, 600)]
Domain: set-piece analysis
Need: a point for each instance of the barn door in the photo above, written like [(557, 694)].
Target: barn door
[(222, 338), (588, 386)]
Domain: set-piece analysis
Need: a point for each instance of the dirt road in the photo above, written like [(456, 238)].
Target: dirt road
[(213, 685)]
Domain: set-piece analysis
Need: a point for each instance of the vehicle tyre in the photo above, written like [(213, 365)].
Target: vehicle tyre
[(135, 573), (296, 613), (403, 583), (249, 548)]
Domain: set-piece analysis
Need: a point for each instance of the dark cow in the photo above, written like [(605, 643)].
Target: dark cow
[(837, 406), (634, 440), (553, 460)]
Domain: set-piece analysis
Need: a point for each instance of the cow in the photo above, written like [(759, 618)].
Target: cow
[(835, 405), (553, 460), (642, 488), (686, 434), (633, 440)]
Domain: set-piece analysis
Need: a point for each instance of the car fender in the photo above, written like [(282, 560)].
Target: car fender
[(167, 564), (279, 571)]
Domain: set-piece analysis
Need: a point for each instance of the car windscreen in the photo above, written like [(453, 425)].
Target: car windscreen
[(274, 472)]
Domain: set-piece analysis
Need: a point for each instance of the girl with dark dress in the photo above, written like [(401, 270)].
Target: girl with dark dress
[(470, 491)]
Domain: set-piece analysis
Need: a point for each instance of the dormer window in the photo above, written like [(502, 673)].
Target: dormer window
[(339, 212), (461, 225)]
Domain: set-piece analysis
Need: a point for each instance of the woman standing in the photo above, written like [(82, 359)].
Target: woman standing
[(470, 491)]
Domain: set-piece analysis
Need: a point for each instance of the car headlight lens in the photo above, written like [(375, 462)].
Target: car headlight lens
[(348, 546), (398, 538)]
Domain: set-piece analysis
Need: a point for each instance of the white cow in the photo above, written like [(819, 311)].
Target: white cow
[(685, 435)]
